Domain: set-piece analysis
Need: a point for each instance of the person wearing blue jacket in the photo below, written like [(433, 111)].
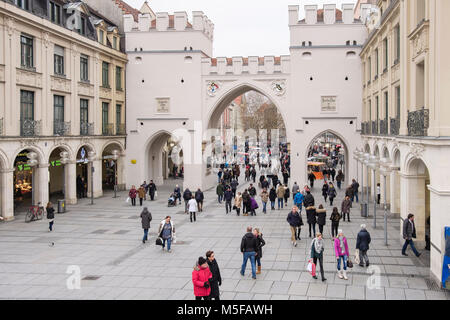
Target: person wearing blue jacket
[(298, 200)]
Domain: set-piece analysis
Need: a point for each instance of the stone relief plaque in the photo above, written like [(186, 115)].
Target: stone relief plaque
[(328, 104), (162, 105)]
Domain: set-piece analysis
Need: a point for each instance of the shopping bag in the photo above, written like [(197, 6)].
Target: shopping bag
[(311, 267), (159, 241), (349, 263), (156, 194), (128, 200), (357, 256), (174, 239)]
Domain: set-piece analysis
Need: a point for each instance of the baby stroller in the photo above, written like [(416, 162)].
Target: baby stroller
[(172, 201)]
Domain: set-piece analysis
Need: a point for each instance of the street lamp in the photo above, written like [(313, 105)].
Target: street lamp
[(32, 162), (366, 157), (385, 170), (64, 160), (91, 158), (374, 164), (115, 156)]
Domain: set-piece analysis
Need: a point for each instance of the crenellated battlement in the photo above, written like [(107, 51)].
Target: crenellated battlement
[(165, 22), (242, 65), (328, 15)]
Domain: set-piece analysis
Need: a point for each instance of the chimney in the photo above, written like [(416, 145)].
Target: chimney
[(144, 22), (347, 13), (180, 20), (198, 20), (162, 21), (311, 14), (293, 15), (128, 22), (329, 13)]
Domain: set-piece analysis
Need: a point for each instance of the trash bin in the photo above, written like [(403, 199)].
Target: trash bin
[(61, 206), (364, 210)]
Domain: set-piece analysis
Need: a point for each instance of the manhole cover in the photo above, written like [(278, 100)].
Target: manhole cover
[(91, 278), (100, 231), (121, 232)]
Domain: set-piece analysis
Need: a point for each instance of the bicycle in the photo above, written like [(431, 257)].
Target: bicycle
[(35, 213)]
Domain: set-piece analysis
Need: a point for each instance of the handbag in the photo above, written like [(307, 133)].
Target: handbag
[(357, 256), (128, 200), (349, 263), (159, 241), (311, 267)]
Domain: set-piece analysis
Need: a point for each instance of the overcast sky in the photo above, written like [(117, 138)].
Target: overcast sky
[(242, 27)]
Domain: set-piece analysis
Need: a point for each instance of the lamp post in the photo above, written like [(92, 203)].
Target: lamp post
[(366, 157), (64, 160), (385, 170), (91, 158), (374, 164), (115, 157), (357, 157), (32, 162)]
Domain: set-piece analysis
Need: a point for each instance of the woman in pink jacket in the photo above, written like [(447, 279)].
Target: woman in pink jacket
[(342, 253), (200, 278)]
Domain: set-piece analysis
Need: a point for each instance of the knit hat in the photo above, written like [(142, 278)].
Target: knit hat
[(201, 261)]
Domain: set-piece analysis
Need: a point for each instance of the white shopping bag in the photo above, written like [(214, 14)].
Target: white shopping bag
[(174, 239), (357, 256), (156, 194), (128, 200)]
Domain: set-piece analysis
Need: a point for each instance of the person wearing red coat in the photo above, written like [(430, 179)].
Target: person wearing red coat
[(132, 194), (200, 278)]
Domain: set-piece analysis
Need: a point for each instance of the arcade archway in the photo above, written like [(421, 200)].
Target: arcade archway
[(83, 171), (112, 167), (164, 160)]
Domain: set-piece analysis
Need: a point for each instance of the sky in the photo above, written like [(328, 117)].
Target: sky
[(243, 27)]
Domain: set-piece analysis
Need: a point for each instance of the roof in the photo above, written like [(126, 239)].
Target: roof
[(171, 22), (127, 9), (245, 61)]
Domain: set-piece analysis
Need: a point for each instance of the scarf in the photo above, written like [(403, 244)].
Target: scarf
[(341, 241), (318, 245)]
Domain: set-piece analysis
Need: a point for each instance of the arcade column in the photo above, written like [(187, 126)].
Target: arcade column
[(42, 186), (7, 194), (71, 182)]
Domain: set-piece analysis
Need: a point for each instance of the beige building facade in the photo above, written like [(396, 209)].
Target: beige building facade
[(406, 116), (62, 89)]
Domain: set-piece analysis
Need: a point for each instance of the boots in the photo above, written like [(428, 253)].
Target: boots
[(259, 270), (345, 275), (340, 276)]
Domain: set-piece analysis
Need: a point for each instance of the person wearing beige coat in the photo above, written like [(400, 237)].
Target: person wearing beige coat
[(238, 203), (280, 196), (264, 198)]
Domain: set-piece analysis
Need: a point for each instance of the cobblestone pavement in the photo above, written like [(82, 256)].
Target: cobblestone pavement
[(104, 241)]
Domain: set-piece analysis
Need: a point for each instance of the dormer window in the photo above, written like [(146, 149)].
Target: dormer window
[(101, 36), (82, 29), (115, 43), (55, 13)]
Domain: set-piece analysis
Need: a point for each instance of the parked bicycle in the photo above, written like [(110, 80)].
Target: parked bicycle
[(35, 213)]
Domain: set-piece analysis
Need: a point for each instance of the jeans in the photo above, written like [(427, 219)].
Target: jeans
[(355, 195), (186, 205), (339, 184), (192, 214), (299, 206), (334, 229), (413, 248), (249, 255), (313, 225), (280, 201), (228, 206), (343, 258), (272, 205), (200, 205), (258, 261), (264, 207), (50, 225), (145, 238), (322, 273), (220, 198), (169, 242), (363, 257)]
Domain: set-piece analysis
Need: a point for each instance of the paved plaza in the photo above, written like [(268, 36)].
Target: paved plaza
[(104, 240)]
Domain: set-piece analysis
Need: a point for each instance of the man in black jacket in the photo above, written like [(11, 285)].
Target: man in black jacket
[(249, 248), (152, 190), (252, 190), (234, 184), (409, 232), (309, 199), (199, 198), (187, 195), (216, 279), (228, 196), (362, 244)]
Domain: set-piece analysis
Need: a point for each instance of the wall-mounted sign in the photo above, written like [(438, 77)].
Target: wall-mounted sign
[(212, 87), (133, 161), (162, 105), (329, 104)]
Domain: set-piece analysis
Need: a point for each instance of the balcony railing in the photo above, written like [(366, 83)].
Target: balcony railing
[(1, 127), (418, 122), (121, 130), (61, 128), (395, 126), (86, 129), (108, 129), (374, 127), (30, 128), (383, 127)]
